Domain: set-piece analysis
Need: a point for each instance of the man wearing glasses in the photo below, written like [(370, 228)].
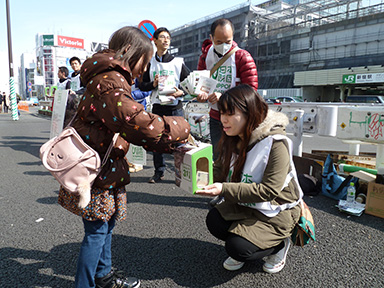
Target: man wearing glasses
[(163, 76)]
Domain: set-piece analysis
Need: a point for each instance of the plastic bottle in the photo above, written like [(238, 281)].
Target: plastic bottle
[(351, 193), (361, 198)]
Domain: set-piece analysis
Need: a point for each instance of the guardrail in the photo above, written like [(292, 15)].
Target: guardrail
[(353, 124)]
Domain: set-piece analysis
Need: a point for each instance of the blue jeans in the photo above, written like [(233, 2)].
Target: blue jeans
[(163, 110), (95, 258), (215, 130)]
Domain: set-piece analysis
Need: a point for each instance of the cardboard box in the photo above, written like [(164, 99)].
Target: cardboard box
[(196, 168), (375, 200), (375, 194)]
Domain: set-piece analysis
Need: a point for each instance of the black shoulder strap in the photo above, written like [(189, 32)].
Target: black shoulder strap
[(343, 184)]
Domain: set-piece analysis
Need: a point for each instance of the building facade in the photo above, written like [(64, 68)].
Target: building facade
[(54, 51), (289, 39), (27, 87)]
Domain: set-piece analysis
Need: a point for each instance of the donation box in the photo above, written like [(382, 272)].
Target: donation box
[(194, 169)]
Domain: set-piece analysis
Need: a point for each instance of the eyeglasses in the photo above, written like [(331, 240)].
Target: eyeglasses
[(164, 37)]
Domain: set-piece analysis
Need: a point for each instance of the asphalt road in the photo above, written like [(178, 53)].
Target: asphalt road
[(164, 241)]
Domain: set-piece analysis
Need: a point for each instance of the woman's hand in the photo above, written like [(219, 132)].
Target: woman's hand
[(211, 190)]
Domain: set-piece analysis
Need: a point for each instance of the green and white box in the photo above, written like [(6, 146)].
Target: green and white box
[(196, 168)]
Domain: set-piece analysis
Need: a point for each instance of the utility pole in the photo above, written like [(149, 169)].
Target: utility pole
[(15, 114)]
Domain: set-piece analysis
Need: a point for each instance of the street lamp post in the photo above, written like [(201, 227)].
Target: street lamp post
[(15, 114)]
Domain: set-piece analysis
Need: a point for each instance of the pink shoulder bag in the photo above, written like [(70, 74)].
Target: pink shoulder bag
[(73, 162)]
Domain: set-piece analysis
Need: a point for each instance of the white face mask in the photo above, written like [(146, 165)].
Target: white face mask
[(222, 48)]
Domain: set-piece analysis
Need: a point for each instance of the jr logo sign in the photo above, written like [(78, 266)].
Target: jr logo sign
[(349, 79)]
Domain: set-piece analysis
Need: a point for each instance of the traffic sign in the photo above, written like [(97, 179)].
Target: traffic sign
[(29, 84), (148, 27)]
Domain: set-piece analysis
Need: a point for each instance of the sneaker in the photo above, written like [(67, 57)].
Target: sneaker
[(232, 264), (115, 279), (276, 262), (156, 178), (216, 201)]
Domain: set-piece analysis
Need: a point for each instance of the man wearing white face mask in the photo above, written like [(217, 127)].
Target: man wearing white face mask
[(238, 68)]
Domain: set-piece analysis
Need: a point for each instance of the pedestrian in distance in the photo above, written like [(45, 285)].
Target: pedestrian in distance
[(1, 102), (6, 102), (107, 108), (163, 77), (256, 176)]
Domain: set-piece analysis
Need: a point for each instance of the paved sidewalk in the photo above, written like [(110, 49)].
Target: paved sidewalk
[(164, 241)]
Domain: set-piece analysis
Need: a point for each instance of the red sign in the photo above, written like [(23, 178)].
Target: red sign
[(148, 27), (70, 42)]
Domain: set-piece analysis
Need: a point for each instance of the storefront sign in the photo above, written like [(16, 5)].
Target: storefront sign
[(70, 42), (370, 78), (96, 46), (48, 40), (363, 78)]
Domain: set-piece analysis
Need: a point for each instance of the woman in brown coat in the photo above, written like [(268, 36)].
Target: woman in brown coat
[(256, 176), (107, 108)]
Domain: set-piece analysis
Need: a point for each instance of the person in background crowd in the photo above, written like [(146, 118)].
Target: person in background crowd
[(138, 95), (63, 84), (255, 174), (64, 81), (76, 84), (77, 89), (239, 68), (107, 108), (141, 97), (164, 71)]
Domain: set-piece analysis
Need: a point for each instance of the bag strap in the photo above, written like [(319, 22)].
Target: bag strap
[(343, 184), (73, 118), (222, 60), (114, 139)]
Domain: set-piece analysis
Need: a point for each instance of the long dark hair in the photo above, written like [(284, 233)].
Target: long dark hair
[(130, 44), (254, 108)]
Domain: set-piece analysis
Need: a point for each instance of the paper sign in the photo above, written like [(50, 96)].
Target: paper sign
[(137, 155), (58, 113)]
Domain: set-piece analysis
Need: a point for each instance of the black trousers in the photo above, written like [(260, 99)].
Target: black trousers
[(236, 246)]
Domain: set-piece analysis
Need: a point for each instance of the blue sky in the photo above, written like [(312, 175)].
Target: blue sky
[(92, 20)]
